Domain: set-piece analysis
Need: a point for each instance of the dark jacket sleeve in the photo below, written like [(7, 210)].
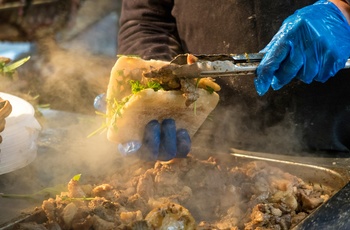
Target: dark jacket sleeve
[(148, 29)]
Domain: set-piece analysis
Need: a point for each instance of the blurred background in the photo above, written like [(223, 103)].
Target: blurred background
[(72, 45), (72, 48)]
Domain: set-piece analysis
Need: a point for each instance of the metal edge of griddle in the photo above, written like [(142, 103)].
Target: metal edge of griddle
[(24, 218), (334, 213), (337, 165)]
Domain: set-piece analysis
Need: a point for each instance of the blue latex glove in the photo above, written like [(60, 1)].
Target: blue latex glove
[(100, 102), (161, 141), (312, 44)]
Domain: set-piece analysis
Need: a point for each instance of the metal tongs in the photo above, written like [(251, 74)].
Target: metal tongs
[(214, 65)]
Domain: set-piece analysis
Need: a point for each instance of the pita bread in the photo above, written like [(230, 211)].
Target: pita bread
[(148, 104)]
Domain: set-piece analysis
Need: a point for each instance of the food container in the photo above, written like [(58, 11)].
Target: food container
[(325, 171), (18, 147)]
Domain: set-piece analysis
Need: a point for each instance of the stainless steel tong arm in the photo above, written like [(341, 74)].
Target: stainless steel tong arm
[(228, 68), (347, 64), (214, 69), (212, 66)]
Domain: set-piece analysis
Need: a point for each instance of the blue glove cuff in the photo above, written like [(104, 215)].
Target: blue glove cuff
[(313, 44)]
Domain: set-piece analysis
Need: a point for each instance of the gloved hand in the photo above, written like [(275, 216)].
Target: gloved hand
[(312, 44), (161, 141), (100, 102)]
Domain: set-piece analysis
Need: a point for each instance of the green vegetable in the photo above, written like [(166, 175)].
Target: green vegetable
[(209, 89), (70, 199), (123, 55), (117, 110), (117, 106), (49, 192), (10, 68), (154, 85), (76, 177), (136, 86), (40, 195), (102, 128)]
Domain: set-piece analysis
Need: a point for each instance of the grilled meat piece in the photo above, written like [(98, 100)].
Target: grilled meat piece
[(185, 192)]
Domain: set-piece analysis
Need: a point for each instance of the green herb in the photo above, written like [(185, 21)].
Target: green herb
[(44, 193), (120, 72), (49, 192), (40, 195), (116, 112), (195, 103), (70, 199), (137, 86), (209, 89), (123, 55), (102, 128), (154, 85), (76, 177), (44, 106), (10, 68), (117, 106)]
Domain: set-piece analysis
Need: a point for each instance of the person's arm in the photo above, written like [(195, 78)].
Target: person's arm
[(344, 7), (147, 29), (313, 44)]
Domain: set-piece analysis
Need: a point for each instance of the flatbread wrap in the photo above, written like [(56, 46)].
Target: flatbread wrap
[(133, 100)]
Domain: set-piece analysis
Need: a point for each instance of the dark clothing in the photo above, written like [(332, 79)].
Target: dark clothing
[(162, 29), (297, 117)]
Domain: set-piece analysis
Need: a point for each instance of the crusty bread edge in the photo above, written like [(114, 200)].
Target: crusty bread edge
[(148, 104)]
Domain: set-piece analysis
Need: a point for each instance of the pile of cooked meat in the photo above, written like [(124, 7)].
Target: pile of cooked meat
[(187, 194)]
